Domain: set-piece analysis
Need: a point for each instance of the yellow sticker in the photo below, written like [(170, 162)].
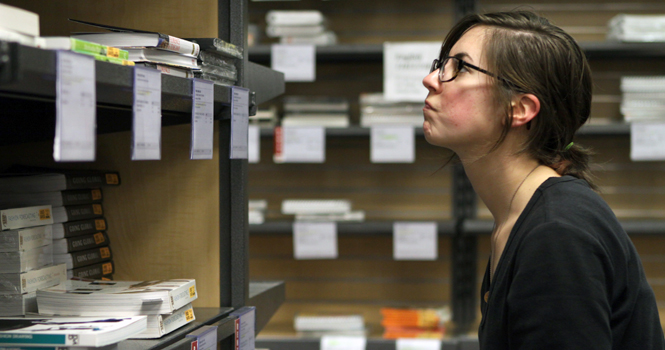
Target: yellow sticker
[(96, 194), (107, 268), (105, 252), (99, 238), (113, 52), (112, 179), (189, 315), (44, 214), (97, 209), (192, 291), (100, 224)]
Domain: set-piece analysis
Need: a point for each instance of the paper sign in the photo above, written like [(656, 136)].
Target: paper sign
[(147, 114), (239, 122), (331, 342), (245, 328), (203, 94), (297, 62), (300, 144), (647, 140), (404, 67), (415, 241), (75, 108), (392, 144), (418, 344), (253, 144), (315, 240)]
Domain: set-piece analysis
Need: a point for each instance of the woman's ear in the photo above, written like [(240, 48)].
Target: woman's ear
[(525, 107)]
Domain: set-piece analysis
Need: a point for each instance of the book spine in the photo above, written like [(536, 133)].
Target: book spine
[(92, 180), (95, 271), (77, 228), (84, 211), (84, 196), (87, 47), (94, 240), (179, 318), (114, 60), (25, 239), (175, 44), (42, 278), (183, 295), (25, 217), (90, 256)]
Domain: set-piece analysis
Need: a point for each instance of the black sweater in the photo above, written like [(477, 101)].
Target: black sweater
[(569, 278)]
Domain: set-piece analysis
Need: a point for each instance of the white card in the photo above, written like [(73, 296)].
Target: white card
[(203, 109), (418, 344), (404, 67), (297, 62), (247, 325), (300, 144), (415, 241), (315, 240), (75, 108), (239, 122), (333, 342), (253, 144), (647, 140), (392, 144), (147, 114)]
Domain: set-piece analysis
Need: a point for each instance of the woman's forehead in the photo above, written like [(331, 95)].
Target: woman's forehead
[(470, 44)]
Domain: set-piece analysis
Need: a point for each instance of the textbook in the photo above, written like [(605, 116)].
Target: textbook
[(26, 238), (218, 46), (83, 258), (159, 325), (114, 298), (156, 56), (19, 20), (81, 46), (98, 271), (315, 206), (26, 282), (108, 347), (17, 218), (56, 180), (69, 331), (53, 198), (78, 243), (77, 212), (26, 260), (18, 304), (77, 228)]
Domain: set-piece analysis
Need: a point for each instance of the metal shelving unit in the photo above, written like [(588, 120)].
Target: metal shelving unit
[(369, 228)]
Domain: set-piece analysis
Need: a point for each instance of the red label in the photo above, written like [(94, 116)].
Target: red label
[(279, 142), (195, 345), (237, 334)]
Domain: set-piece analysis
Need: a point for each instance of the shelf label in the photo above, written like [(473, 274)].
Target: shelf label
[(245, 329), (647, 141), (75, 107), (239, 122), (253, 144), (417, 344), (404, 67), (315, 240), (300, 144), (297, 62), (415, 241), (333, 342), (392, 144), (147, 114), (203, 94)]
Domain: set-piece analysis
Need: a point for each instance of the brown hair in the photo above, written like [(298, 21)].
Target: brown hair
[(539, 58)]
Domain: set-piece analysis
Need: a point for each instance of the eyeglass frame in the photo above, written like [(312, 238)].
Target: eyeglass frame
[(438, 63)]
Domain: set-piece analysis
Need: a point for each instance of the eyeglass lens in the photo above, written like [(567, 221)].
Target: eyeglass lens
[(448, 69)]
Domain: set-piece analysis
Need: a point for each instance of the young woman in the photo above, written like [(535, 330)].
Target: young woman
[(507, 94)]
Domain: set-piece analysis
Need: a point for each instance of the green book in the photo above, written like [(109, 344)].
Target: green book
[(82, 46)]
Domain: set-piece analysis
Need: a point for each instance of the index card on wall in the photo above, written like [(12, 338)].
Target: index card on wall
[(647, 140), (315, 240), (392, 144), (300, 144), (253, 144), (239, 122), (415, 241), (147, 114), (75, 107), (332, 342), (203, 109), (418, 344), (297, 62), (404, 67)]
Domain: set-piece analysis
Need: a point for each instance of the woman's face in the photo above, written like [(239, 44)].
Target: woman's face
[(460, 114)]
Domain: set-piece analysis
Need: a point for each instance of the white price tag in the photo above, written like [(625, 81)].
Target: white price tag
[(404, 67), (147, 114), (418, 344), (246, 324), (647, 140), (300, 144), (203, 109), (315, 240), (253, 144), (331, 342), (239, 122), (415, 241), (297, 62), (392, 144), (75, 107)]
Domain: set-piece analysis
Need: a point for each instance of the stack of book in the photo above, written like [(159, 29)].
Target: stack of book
[(376, 110), (327, 111), (98, 51), (319, 325), (217, 60), (257, 210), (414, 322), (643, 98), (166, 303), (19, 25), (637, 28), (321, 210), (299, 27)]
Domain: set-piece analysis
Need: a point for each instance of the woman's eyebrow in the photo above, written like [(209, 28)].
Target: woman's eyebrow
[(463, 56)]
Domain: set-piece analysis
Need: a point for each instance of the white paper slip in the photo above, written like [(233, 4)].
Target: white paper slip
[(331, 342), (203, 94), (404, 67), (245, 326), (415, 241), (315, 240), (297, 62), (300, 144), (75, 108), (253, 144), (418, 344), (392, 144), (647, 141), (239, 122), (147, 114)]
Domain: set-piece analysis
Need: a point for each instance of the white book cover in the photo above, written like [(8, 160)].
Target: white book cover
[(328, 322), (159, 325), (294, 17), (16, 218), (330, 120), (19, 20), (352, 216), (27, 282), (274, 31), (26, 238), (26, 260), (315, 206)]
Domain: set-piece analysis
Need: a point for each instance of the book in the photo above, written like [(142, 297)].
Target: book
[(636, 28), (16, 37), (170, 70), (308, 104), (315, 206), (108, 347), (77, 228), (30, 281), (322, 322), (26, 260), (356, 215), (18, 304), (26, 238), (113, 298), (274, 31), (77, 212), (56, 180), (218, 46), (94, 272), (294, 17), (81, 46), (53, 198), (19, 20), (328, 120), (84, 257), (322, 39), (16, 218), (205, 337), (159, 325), (78, 243), (69, 331), (151, 55)]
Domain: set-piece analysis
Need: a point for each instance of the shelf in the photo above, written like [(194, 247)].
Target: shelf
[(372, 344), (632, 227), (267, 296), (379, 228)]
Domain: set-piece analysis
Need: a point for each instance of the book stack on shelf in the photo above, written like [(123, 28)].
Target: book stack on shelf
[(636, 28), (98, 51), (643, 98), (217, 60), (166, 303), (256, 211), (318, 210), (376, 110), (319, 325), (19, 25), (299, 27), (414, 322), (326, 111)]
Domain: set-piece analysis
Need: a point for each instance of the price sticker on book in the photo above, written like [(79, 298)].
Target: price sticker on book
[(404, 67), (647, 141), (147, 114), (300, 144), (203, 94), (333, 342), (417, 344), (297, 62), (239, 122), (415, 241), (253, 144), (315, 240), (75, 107), (392, 144)]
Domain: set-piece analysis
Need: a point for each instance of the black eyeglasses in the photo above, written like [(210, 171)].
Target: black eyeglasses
[(453, 65)]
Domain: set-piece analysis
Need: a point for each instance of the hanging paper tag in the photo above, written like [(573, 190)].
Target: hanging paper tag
[(647, 141), (415, 241), (315, 240), (147, 114), (332, 342), (253, 144), (392, 144), (300, 144), (297, 62), (203, 93), (239, 122), (405, 65)]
